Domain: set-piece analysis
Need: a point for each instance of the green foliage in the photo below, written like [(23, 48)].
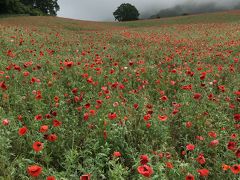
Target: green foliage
[(35, 8), (117, 171), (126, 12), (13, 7), (36, 12), (49, 7), (5, 145)]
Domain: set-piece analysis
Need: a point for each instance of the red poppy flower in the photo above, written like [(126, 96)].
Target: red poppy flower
[(168, 155), (173, 82), (68, 64), (200, 138), (85, 177), (74, 90), (52, 137), (233, 136), (175, 111), (48, 116), (99, 101), (34, 170), (38, 95), (50, 178), (148, 125), (43, 128), (189, 177), (37, 146), (54, 113), (5, 122), (121, 86), (38, 117), (187, 87), (221, 88), (210, 96), (150, 111), (145, 170), (114, 85), (188, 124), (112, 116), (232, 145), (201, 159), (190, 147), (92, 112), (161, 155), (214, 143), (20, 117), (169, 165), (87, 106), (237, 153), (85, 116), (56, 123), (10, 54), (235, 168), (90, 80), (144, 159), (237, 117), (22, 131), (135, 106), (76, 99), (189, 73), (203, 172), (225, 167), (56, 99), (197, 96), (164, 98), (237, 93), (212, 134), (162, 118), (117, 154), (3, 85), (147, 117), (203, 75)]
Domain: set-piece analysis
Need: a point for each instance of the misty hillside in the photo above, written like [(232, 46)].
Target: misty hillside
[(193, 8)]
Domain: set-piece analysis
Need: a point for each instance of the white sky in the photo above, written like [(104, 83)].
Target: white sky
[(102, 10)]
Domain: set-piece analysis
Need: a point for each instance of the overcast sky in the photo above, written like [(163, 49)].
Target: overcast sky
[(102, 10)]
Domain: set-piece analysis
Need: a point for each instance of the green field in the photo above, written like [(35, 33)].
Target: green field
[(157, 99)]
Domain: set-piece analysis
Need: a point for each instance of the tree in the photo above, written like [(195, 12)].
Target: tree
[(32, 7), (126, 12), (12, 7), (48, 7)]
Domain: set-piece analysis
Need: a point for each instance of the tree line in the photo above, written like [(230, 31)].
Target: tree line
[(31, 7)]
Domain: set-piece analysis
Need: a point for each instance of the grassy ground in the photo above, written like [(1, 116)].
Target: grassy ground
[(95, 97)]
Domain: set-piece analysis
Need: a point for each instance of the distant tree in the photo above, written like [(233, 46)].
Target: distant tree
[(48, 7), (32, 7), (126, 12)]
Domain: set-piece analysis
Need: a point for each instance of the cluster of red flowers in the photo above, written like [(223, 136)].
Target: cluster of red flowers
[(145, 169)]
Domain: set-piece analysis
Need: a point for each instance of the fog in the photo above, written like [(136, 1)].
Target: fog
[(102, 10)]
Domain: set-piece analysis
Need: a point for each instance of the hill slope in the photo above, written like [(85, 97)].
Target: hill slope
[(195, 8), (157, 98), (53, 22)]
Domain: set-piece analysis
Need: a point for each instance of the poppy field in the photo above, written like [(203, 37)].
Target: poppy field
[(151, 99)]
